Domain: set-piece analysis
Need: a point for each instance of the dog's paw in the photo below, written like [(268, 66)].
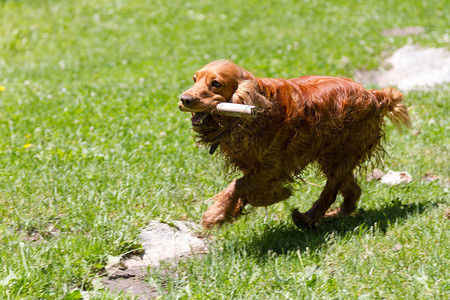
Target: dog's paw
[(210, 220), (302, 220), (334, 213), (340, 211)]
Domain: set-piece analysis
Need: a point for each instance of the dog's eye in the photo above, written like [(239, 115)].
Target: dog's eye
[(194, 78), (215, 83)]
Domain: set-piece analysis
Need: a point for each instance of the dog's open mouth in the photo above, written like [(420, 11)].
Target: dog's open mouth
[(198, 118)]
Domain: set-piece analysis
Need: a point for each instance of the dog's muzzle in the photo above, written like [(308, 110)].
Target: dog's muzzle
[(187, 100)]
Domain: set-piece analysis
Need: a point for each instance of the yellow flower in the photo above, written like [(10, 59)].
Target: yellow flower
[(2, 88), (27, 145)]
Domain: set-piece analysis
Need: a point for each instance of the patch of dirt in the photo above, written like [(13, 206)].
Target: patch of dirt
[(376, 174), (443, 181), (428, 178), (397, 247), (411, 30), (161, 242), (133, 285), (410, 68), (390, 178), (447, 213), (37, 236)]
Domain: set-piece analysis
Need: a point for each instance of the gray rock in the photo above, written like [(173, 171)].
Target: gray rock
[(161, 242), (164, 241), (411, 68)]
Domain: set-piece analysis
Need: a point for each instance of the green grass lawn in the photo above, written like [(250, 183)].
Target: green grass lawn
[(93, 147)]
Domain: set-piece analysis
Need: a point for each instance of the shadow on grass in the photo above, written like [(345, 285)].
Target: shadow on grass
[(284, 238)]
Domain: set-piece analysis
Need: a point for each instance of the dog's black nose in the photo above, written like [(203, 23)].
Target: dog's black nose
[(186, 99)]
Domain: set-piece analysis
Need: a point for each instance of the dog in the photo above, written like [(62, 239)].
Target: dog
[(331, 121)]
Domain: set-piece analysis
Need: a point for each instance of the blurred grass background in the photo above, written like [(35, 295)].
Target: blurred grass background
[(93, 147)]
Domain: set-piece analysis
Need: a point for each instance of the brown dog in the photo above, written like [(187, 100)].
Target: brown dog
[(332, 121)]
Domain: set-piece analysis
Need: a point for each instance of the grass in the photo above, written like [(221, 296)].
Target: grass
[(93, 147)]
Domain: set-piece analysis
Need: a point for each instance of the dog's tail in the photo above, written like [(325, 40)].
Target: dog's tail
[(392, 106)]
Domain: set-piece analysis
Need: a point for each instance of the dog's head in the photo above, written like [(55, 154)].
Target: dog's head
[(215, 83)]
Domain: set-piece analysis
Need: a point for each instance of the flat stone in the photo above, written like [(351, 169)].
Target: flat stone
[(161, 242), (394, 178), (166, 241), (410, 68)]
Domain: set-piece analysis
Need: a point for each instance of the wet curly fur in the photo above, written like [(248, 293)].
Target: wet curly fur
[(332, 121)]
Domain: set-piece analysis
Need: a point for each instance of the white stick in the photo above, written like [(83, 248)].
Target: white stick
[(236, 110)]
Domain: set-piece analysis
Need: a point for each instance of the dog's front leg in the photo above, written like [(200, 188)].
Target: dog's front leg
[(227, 205)]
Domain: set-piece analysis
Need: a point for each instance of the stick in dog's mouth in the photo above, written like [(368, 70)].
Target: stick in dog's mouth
[(226, 109), (236, 110)]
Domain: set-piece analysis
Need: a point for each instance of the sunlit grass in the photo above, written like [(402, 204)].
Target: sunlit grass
[(93, 147)]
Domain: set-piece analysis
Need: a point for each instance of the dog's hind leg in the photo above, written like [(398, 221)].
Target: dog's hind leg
[(351, 192), (268, 194), (319, 208)]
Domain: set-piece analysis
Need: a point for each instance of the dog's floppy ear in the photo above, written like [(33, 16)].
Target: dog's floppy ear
[(248, 93)]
